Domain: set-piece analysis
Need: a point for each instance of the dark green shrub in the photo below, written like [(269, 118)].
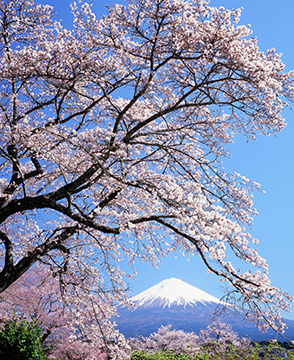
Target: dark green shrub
[(21, 341)]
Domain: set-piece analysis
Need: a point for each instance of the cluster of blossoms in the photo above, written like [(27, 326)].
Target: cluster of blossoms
[(216, 335)]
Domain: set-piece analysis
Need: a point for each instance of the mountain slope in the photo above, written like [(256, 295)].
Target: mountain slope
[(185, 307)]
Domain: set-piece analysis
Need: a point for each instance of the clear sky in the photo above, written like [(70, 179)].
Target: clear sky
[(268, 160)]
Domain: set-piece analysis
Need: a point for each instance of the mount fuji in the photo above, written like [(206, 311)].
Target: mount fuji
[(185, 307)]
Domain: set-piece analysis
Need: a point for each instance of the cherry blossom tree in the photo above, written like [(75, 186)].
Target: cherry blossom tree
[(222, 334), (71, 328), (216, 335), (112, 136), (167, 339), (35, 297)]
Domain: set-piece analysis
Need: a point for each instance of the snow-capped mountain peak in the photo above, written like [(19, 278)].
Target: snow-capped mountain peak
[(174, 302), (173, 292)]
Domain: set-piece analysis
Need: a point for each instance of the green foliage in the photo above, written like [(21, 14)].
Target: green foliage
[(21, 341), (272, 352)]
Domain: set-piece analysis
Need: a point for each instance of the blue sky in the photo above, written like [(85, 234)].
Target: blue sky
[(268, 160)]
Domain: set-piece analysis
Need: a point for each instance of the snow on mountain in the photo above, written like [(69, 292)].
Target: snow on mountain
[(173, 292)]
